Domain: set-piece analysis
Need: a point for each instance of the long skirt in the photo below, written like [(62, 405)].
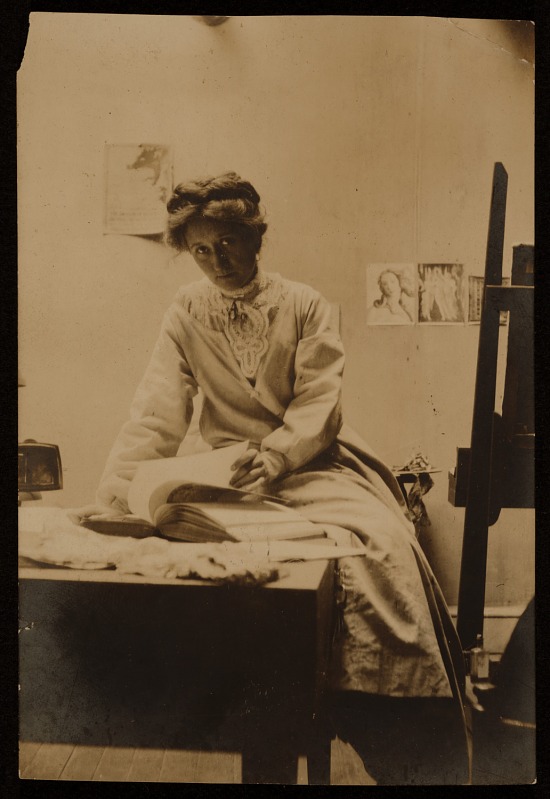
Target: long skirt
[(395, 637)]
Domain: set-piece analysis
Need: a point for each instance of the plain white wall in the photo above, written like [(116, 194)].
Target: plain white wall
[(370, 139)]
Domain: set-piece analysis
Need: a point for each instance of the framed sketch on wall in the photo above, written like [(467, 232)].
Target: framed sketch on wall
[(138, 183), (441, 294), (475, 299), (391, 294)]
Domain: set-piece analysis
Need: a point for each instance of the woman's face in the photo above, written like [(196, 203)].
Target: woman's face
[(224, 251), (389, 284)]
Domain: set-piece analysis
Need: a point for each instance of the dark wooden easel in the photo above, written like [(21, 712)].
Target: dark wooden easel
[(497, 471)]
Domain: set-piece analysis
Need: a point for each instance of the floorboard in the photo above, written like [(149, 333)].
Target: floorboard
[(179, 766), (118, 764), (82, 763), (346, 767), (114, 765), (302, 771), (48, 762), (217, 767), (27, 751), (146, 765)]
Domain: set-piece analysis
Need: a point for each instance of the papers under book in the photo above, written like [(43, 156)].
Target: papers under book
[(48, 536), (190, 499)]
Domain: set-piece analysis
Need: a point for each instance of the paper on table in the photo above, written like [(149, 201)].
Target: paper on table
[(280, 551), (48, 534)]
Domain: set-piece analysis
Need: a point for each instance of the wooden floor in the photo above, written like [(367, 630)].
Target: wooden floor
[(68, 762)]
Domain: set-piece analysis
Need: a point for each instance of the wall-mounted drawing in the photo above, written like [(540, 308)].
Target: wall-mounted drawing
[(138, 183), (391, 294), (441, 294), (475, 298)]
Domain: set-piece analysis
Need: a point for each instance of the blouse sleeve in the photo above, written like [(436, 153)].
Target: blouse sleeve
[(160, 415), (313, 418)]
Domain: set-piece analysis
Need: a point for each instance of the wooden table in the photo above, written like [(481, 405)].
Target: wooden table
[(124, 660)]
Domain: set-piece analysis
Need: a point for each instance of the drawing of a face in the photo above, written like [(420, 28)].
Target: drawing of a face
[(389, 284)]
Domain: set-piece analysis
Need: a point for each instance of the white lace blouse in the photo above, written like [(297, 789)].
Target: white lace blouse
[(245, 315), (269, 365)]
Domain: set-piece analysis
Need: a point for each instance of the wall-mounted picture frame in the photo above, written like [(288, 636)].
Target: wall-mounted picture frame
[(391, 294), (441, 294), (475, 300), (138, 184)]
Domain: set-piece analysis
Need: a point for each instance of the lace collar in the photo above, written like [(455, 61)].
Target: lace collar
[(244, 315), (247, 292)]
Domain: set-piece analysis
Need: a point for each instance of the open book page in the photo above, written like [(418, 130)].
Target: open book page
[(155, 480)]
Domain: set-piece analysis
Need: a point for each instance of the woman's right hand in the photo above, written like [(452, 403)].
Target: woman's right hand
[(93, 512)]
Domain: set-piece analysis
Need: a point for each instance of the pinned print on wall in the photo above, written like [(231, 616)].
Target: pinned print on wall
[(138, 183), (441, 294), (475, 299), (391, 294)]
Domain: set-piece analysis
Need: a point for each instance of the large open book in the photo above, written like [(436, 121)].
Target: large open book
[(190, 499)]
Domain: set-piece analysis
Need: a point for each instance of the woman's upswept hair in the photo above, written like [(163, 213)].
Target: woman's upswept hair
[(226, 198)]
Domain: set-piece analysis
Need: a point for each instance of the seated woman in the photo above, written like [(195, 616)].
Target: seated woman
[(264, 351)]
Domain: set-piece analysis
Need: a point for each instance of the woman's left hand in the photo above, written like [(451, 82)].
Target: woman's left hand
[(250, 471)]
